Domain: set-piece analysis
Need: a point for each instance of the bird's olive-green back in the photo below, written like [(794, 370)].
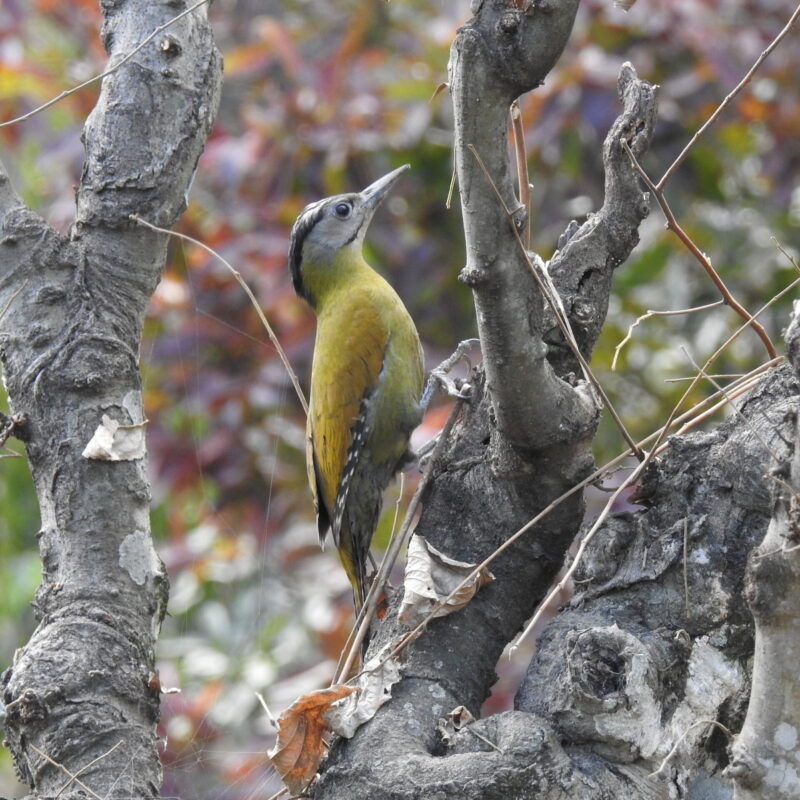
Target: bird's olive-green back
[(366, 347)]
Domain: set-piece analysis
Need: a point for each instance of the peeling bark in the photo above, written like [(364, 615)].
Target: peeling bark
[(69, 342)]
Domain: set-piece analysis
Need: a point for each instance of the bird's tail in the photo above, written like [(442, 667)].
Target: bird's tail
[(354, 562), (353, 556)]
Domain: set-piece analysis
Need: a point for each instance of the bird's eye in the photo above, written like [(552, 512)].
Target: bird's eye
[(342, 210)]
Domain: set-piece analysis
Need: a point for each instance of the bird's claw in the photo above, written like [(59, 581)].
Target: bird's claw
[(441, 380)]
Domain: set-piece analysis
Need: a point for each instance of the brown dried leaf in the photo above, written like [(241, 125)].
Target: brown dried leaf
[(299, 746), (374, 689), (430, 577), (438, 90)]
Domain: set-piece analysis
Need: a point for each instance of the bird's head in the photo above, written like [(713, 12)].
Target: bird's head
[(330, 230)]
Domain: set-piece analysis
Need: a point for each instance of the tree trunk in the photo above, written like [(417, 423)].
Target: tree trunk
[(83, 690)]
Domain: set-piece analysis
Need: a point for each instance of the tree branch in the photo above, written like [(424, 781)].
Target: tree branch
[(583, 267), (502, 51)]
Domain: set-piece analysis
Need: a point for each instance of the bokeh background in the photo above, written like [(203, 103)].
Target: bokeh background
[(323, 96)]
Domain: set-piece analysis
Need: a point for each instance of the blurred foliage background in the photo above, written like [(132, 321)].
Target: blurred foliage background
[(322, 97)]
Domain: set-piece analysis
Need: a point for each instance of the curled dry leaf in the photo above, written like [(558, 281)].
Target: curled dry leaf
[(374, 689), (299, 746), (430, 577), (458, 718), (114, 442)]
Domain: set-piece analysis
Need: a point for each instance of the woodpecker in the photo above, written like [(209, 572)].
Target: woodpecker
[(366, 375)]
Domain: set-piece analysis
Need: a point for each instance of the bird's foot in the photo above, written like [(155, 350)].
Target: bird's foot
[(440, 378)]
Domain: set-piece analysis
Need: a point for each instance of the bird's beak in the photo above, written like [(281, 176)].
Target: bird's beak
[(373, 195)]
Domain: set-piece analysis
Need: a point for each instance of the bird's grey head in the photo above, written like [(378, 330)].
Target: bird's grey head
[(325, 227)]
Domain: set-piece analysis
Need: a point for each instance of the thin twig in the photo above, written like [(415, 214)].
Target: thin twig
[(451, 189), (84, 768), (109, 71), (270, 717), (13, 297), (554, 301), (700, 256), (736, 409), (724, 104), (273, 338), (650, 313), (788, 255), (719, 377), (732, 394), (522, 168), (74, 777), (660, 770), (484, 739), (397, 505), (781, 482)]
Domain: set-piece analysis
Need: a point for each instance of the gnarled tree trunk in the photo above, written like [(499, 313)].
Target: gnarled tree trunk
[(83, 690)]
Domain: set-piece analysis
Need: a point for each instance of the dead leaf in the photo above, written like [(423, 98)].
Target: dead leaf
[(374, 689), (460, 718), (299, 746), (457, 719), (430, 577), (438, 90), (115, 442)]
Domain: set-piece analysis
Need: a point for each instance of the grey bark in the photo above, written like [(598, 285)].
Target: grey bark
[(766, 757), (502, 52), (84, 685)]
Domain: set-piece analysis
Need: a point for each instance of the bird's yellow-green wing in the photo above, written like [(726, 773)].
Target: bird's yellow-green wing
[(348, 358), (323, 519)]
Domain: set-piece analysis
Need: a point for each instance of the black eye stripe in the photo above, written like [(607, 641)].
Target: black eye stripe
[(310, 216)]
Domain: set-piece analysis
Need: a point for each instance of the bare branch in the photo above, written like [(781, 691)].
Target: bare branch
[(521, 45), (726, 102), (583, 267), (700, 256), (241, 281), (110, 71), (648, 315)]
